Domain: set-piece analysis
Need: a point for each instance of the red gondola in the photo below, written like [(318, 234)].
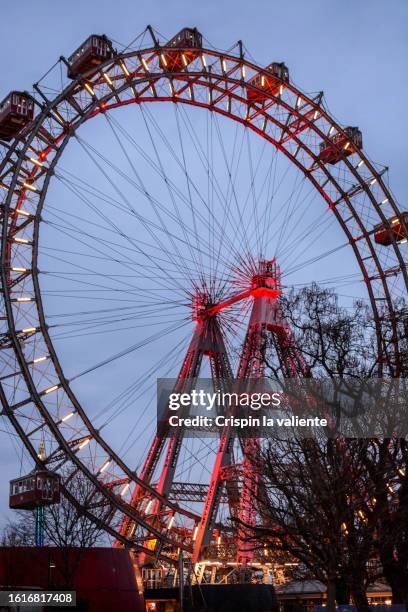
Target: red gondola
[(396, 226), (278, 73), (16, 111), (188, 40), (41, 488), (341, 145), (95, 50)]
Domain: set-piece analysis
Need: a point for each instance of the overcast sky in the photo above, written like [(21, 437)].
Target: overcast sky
[(355, 51)]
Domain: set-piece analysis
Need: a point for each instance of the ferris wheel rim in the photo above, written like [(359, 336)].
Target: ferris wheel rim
[(127, 84)]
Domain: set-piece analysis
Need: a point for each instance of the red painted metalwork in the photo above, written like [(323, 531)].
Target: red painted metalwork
[(266, 317), (207, 341)]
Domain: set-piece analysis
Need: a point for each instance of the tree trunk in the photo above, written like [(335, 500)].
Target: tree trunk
[(359, 595), (342, 591), (397, 579), (331, 595)]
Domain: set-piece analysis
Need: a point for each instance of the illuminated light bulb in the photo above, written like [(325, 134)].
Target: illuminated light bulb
[(57, 116), (84, 443), (185, 62), (124, 489), (204, 61), (281, 89), (144, 64), (67, 416), (19, 269), (224, 65), (24, 299), (360, 163), (331, 130), (29, 330), (219, 540), (104, 466), (346, 146), (39, 359), (89, 89), (21, 240), (404, 241), (29, 187), (107, 79), (51, 389), (394, 221), (262, 81), (373, 181), (401, 472), (24, 213), (171, 521), (243, 71), (384, 201), (124, 68), (316, 114), (298, 101), (36, 162), (195, 533), (148, 506), (163, 59)]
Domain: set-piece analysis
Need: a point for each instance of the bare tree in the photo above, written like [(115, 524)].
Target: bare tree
[(311, 510), (328, 502)]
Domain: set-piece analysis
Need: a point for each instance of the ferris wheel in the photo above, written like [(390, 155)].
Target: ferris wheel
[(139, 241)]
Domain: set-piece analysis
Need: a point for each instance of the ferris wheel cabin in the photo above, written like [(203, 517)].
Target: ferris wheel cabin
[(16, 111), (187, 42), (395, 227), (41, 488), (271, 83), (95, 50), (341, 145)]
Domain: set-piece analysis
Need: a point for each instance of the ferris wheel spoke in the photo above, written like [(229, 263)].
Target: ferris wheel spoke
[(85, 187), (312, 260), (218, 228), (162, 173), (143, 383), (176, 250), (155, 262), (157, 203), (92, 272), (130, 349), (317, 231), (215, 192), (240, 224), (125, 199)]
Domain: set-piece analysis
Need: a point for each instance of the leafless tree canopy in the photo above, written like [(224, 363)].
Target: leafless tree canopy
[(339, 506)]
